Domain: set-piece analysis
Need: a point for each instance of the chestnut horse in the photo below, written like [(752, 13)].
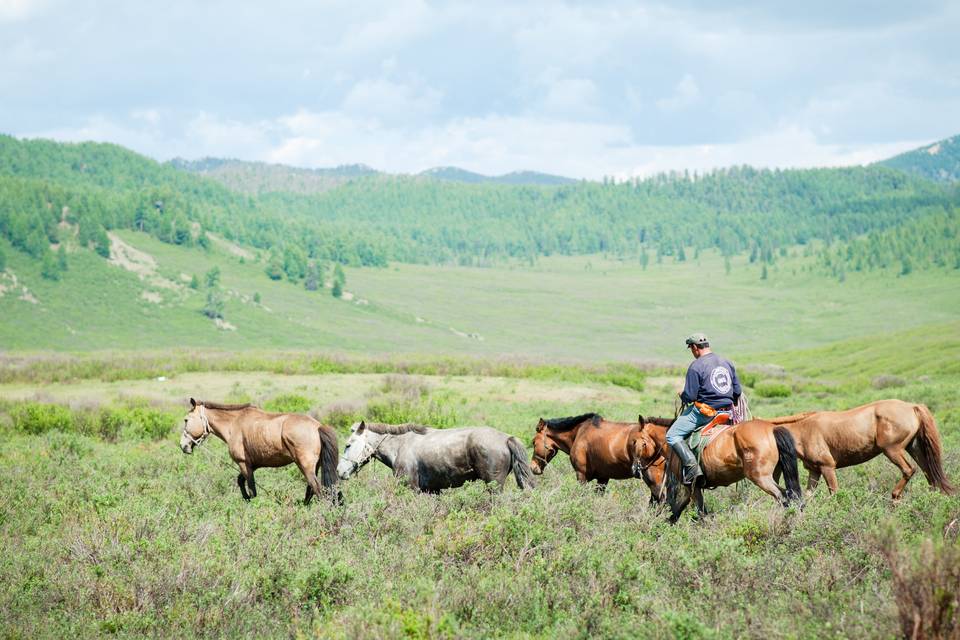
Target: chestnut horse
[(752, 449), (257, 439), (599, 450), (829, 440)]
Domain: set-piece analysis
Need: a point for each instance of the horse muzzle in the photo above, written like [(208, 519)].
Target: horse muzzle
[(186, 448), (637, 469)]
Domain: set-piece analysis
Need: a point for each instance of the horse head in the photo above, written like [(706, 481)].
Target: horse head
[(645, 451), (196, 427), (544, 448), (359, 450)]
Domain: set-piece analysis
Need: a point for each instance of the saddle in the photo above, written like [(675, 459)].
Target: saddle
[(699, 439)]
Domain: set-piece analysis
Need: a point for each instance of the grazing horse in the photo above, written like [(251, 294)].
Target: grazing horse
[(599, 450), (434, 459), (257, 439), (752, 449), (829, 440)]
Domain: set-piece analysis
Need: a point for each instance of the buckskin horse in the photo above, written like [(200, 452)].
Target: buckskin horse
[(752, 450), (434, 459), (599, 450), (829, 440), (258, 439)]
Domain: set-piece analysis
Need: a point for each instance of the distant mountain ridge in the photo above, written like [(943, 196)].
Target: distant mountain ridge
[(262, 177), (939, 161)]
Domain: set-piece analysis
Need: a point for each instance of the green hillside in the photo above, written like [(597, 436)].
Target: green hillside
[(939, 161)]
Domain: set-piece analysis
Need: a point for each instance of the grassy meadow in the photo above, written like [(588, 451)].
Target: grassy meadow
[(107, 528), (584, 309)]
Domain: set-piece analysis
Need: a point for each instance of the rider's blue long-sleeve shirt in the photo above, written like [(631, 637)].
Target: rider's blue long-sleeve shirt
[(711, 380)]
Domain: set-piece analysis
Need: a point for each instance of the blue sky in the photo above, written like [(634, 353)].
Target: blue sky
[(583, 89)]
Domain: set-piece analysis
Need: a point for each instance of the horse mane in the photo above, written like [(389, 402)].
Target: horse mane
[(396, 429), (224, 407), (660, 422), (797, 417), (565, 424)]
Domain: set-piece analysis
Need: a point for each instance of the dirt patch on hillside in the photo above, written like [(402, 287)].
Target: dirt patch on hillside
[(229, 247), (139, 262), (10, 284)]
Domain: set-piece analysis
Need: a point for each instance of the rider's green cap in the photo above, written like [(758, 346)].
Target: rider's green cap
[(698, 339)]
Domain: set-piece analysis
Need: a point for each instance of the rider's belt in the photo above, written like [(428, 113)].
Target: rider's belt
[(706, 409)]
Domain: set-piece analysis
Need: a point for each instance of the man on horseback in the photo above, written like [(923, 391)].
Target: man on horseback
[(711, 387)]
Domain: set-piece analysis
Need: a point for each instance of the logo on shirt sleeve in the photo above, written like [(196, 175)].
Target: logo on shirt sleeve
[(720, 380)]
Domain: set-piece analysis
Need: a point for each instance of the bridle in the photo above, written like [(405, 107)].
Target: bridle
[(367, 446), (544, 461), (656, 456), (196, 442)]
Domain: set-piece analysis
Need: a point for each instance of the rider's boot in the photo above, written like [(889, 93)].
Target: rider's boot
[(691, 468)]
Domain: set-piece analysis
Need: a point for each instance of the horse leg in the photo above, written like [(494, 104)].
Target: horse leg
[(896, 457), (308, 495), (308, 466), (246, 475), (252, 483), (830, 476), (602, 486), (679, 504), (242, 483), (767, 483), (813, 476), (698, 501)]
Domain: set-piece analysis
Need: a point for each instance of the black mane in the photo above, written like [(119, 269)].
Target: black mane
[(565, 424), (224, 407)]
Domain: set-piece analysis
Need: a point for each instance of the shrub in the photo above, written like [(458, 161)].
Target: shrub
[(35, 417), (927, 588), (887, 382), (434, 413), (324, 585), (341, 415), (772, 390), (288, 403), (411, 387)]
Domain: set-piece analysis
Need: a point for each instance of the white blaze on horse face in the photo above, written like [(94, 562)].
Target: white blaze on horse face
[(356, 453)]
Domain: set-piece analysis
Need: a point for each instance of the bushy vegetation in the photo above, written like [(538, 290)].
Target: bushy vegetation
[(138, 539)]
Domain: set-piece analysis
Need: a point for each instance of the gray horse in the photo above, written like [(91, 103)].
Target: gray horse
[(435, 459)]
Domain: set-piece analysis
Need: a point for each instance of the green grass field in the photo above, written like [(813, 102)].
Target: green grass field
[(585, 309), (121, 534), (107, 529)]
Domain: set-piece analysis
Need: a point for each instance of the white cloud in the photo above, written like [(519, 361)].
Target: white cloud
[(685, 94), (14, 10), (391, 101)]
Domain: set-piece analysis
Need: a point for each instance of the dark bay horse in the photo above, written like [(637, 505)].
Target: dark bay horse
[(752, 450), (829, 440), (599, 450), (434, 459), (258, 439)]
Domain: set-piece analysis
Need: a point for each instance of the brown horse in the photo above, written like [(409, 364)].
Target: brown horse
[(599, 450), (829, 440), (257, 439), (753, 450)]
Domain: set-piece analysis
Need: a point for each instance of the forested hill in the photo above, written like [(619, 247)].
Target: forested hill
[(939, 161), (262, 177), (78, 192)]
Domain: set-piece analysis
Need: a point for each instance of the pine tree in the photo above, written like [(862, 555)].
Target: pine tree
[(726, 264), (194, 282), (62, 258), (49, 269), (213, 278), (311, 281), (274, 268), (3, 261), (763, 274)]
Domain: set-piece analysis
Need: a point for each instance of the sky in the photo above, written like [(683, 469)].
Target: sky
[(582, 89)]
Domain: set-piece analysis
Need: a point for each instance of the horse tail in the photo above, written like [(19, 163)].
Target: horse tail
[(787, 448), (329, 458), (929, 450), (519, 463)]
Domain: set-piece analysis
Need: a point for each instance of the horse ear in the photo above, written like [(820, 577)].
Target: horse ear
[(541, 425), (363, 425), (640, 418), (193, 403)]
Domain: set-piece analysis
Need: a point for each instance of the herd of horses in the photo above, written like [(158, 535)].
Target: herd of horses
[(600, 450)]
